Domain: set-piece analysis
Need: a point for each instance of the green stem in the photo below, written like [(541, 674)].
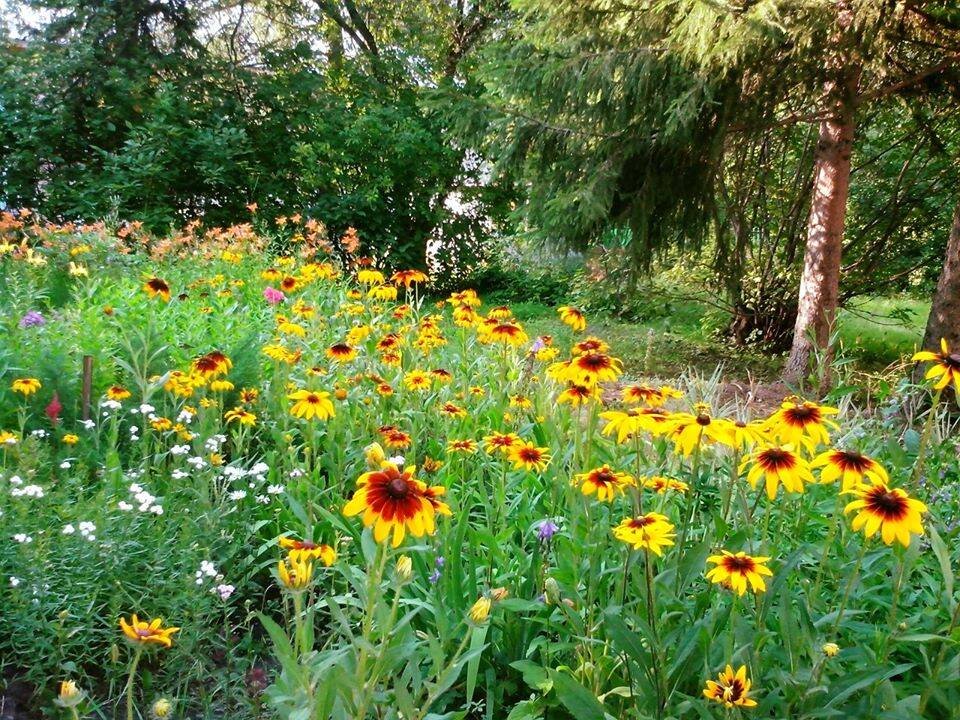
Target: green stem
[(935, 672), (853, 579), (925, 439), (131, 675)]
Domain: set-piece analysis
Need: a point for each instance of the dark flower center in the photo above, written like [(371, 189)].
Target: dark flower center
[(398, 488), (887, 503), (739, 565), (952, 361), (776, 459), (803, 415), (704, 419), (851, 461)]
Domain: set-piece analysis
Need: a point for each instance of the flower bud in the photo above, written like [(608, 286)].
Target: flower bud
[(70, 695), (404, 568), (830, 649), (161, 709), (481, 610)]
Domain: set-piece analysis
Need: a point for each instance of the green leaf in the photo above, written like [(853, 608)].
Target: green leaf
[(581, 703)]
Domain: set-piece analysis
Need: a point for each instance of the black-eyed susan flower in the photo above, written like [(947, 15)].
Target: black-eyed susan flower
[(748, 434), (295, 573), (849, 467), (309, 404), (508, 333), (527, 456), (396, 502), (146, 632), (25, 386), (737, 570), (341, 352), (589, 345), (573, 317), (945, 368), (689, 431), (308, 550), (409, 277), (802, 423), (661, 485), (417, 380), (155, 287), (830, 649), (652, 532), (368, 276), (463, 447), (577, 395), (451, 410), (501, 312), (890, 510), (731, 689), (592, 368), (778, 466), (622, 424), (396, 439), (70, 439), (500, 442), (117, 392), (603, 481), (642, 394), (212, 364), (248, 396)]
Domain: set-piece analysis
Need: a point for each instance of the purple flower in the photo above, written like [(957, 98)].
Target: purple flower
[(434, 577), (32, 319), (439, 562), (546, 530)]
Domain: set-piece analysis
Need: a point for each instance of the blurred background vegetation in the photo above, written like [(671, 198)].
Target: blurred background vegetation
[(654, 165)]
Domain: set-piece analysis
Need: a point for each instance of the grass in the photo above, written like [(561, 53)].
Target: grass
[(875, 332)]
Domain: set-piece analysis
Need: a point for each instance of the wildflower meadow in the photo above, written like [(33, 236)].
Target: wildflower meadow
[(253, 474)]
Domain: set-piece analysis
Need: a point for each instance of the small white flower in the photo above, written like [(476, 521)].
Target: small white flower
[(179, 474), (208, 568), (135, 488), (65, 465), (87, 528), (134, 429), (225, 591), (197, 462), (238, 495), (275, 489), (14, 581), (185, 417), (178, 450), (146, 409), (397, 460), (15, 480), (260, 468), (69, 529), (23, 538), (124, 505), (263, 499), (88, 424), (156, 510), (40, 433), (296, 472)]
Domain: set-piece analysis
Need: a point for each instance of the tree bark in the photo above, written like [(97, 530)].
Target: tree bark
[(820, 282), (944, 320)]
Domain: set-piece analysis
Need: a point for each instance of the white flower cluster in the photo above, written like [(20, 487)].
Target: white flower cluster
[(144, 500), (39, 433), (214, 442), (179, 450), (185, 417), (21, 490), (256, 476), (23, 538), (209, 570), (86, 529), (109, 406)]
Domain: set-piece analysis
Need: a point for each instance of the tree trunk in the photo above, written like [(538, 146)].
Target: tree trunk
[(820, 282), (944, 320)]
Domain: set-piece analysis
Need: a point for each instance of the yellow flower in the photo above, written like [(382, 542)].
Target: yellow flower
[(736, 570), (70, 439), (830, 649), (467, 447), (308, 550), (238, 414), (116, 392), (527, 456), (296, 573), (308, 404), (144, 632), (849, 466), (946, 365), (417, 380), (573, 317), (25, 386), (890, 510), (652, 532), (221, 386), (374, 455), (660, 484), (689, 432), (70, 695), (603, 481), (778, 466), (480, 610), (731, 688), (396, 502), (802, 423)]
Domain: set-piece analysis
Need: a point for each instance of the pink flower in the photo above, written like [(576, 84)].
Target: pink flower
[(53, 409), (273, 296)]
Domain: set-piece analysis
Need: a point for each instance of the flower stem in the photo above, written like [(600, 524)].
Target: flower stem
[(131, 676), (925, 438), (853, 579)]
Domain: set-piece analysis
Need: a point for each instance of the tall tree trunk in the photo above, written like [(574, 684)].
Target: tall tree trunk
[(820, 282), (944, 320)]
